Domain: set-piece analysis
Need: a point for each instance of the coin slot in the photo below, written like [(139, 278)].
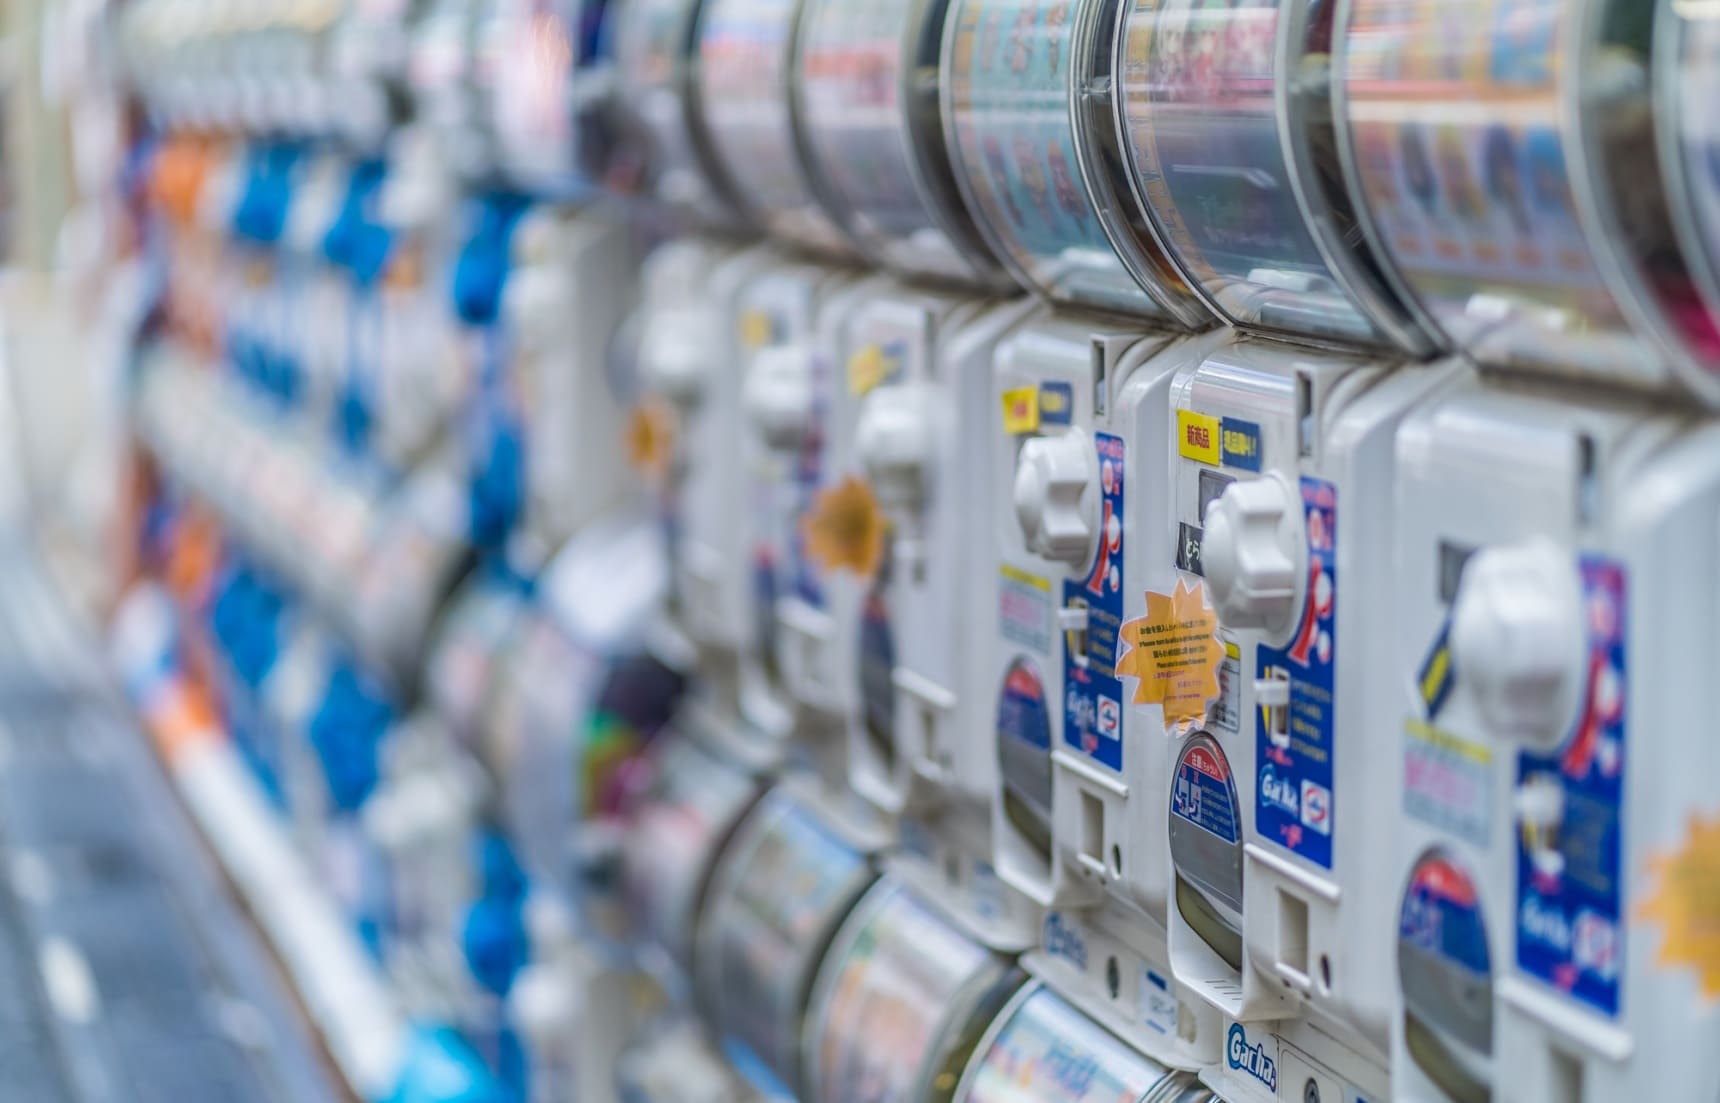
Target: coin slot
[(1306, 430), (1565, 1079), (1292, 938), (1093, 829)]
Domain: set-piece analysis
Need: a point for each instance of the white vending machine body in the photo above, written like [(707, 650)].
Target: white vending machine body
[(1554, 608)]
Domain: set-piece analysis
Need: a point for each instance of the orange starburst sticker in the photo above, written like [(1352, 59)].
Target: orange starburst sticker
[(1684, 900), (845, 529), (650, 438), (1174, 654)]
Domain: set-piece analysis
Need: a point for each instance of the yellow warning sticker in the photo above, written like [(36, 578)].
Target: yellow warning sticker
[(1198, 437), (755, 330), (867, 370), (650, 438), (845, 529), (1174, 653), (1021, 411), (1684, 901)]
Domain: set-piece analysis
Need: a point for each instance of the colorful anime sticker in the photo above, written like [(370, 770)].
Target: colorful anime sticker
[(1570, 820), (1050, 1051), (1456, 118), (1200, 111), (1009, 88), (1092, 690), (1296, 749), (899, 971)]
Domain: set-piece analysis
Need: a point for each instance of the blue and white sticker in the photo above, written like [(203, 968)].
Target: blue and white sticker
[(1205, 793), (1570, 877), (1295, 748), (1092, 692)]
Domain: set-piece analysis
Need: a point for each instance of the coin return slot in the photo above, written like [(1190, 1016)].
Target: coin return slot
[(1292, 939)]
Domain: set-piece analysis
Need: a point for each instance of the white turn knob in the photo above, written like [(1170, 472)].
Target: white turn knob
[(1254, 553), (895, 442), (1056, 497), (1518, 638), (676, 353), (779, 395), (537, 303)]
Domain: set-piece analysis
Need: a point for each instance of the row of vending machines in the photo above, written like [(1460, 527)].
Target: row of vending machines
[(986, 550)]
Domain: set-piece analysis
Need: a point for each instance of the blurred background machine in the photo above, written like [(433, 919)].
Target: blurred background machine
[(916, 550)]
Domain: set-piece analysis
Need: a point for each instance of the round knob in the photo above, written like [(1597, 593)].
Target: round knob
[(1518, 639), (536, 302), (895, 442), (545, 1004), (676, 353), (1253, 550), (779, 395), (1053, 477)]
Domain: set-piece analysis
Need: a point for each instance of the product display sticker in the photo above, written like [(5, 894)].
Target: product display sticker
[(795, 876), (898, 973), (1296, 748), (1009, 88), (847, 529), (1570, 813), (1092, 691), (1175, 655), (1024, 741), (1050, 1051), (1443, 963), (851, 69), (1456, 118), (1200, 113)]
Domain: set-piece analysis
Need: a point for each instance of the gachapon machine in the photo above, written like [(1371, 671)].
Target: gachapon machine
[(1259, 653), (685, 428), (1041, 1048), (1066, 418), (1054, 414), (900, 1002), (864, 573), (572, 269), (782, 887), (1544, 870), (1549, 597), (782, 313)]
